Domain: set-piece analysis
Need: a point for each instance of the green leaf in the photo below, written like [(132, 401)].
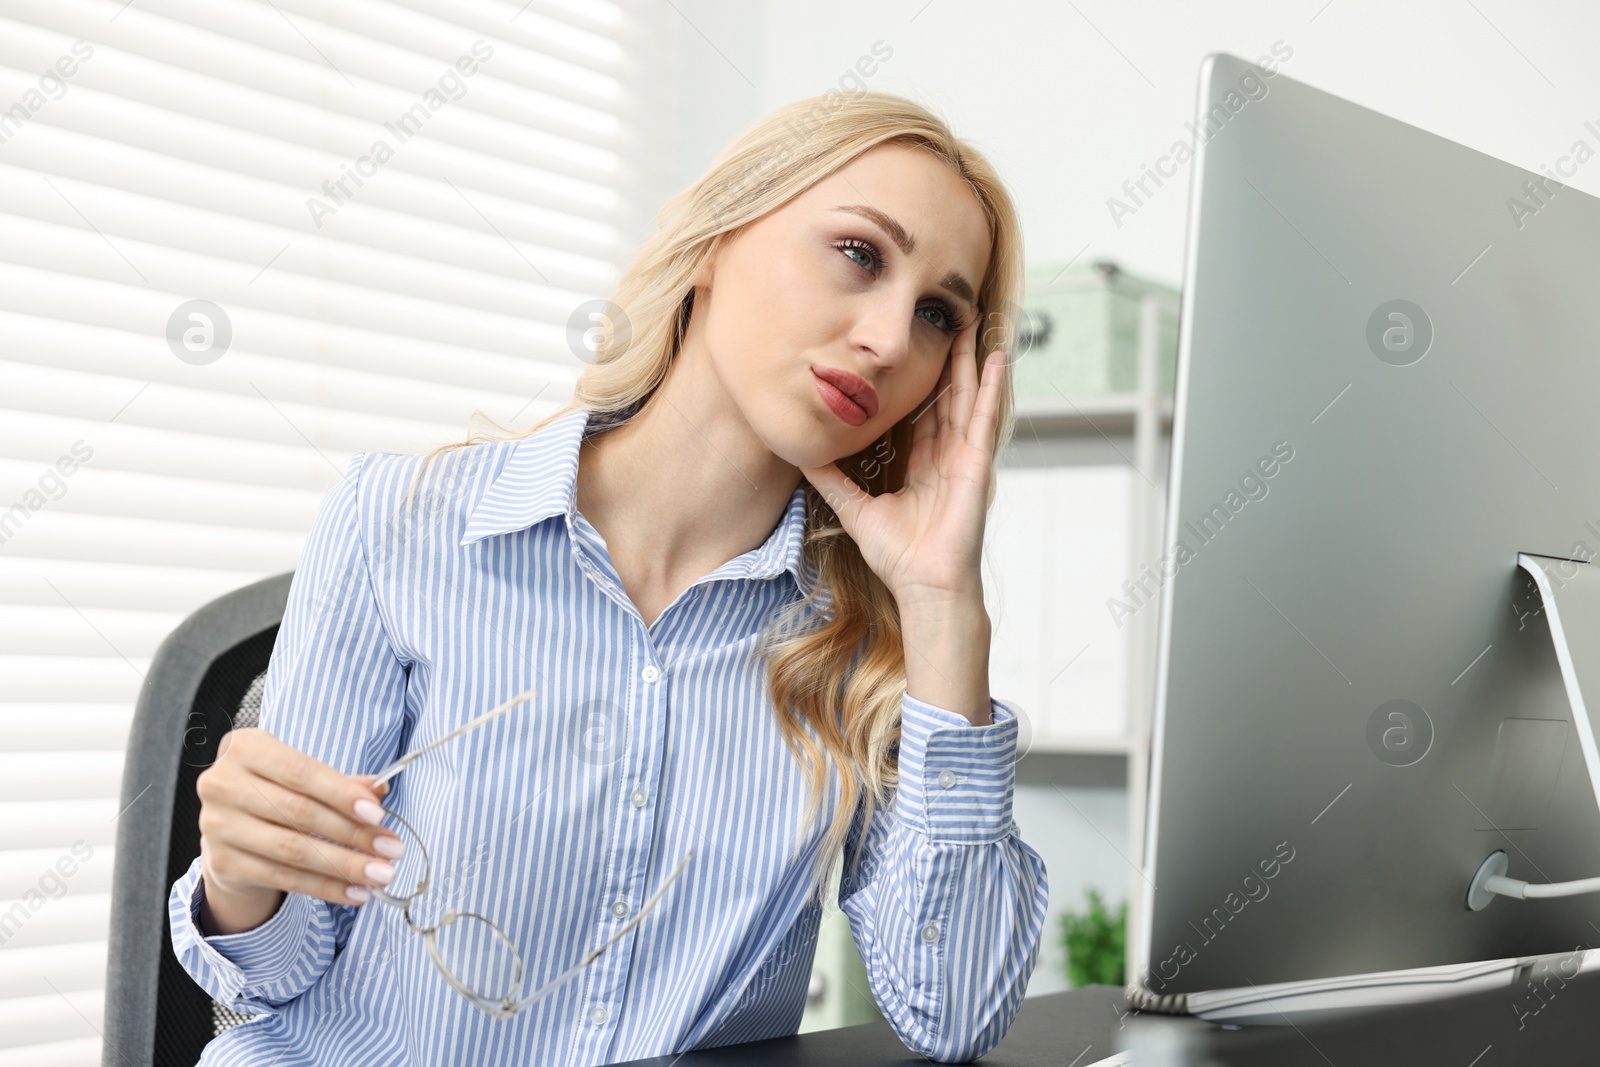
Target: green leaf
[(1095, 941)]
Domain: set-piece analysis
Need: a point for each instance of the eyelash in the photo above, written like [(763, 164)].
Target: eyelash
[(949, 313)]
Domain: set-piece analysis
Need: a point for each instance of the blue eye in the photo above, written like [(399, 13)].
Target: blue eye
[(952, 323), (948, 320), (860, 246)]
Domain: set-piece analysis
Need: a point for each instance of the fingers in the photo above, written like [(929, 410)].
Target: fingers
[(953, 381), (273, 817), (924, 427), (925, 420), (941, 401), (984, 427), (964, 381), (267, 757), (293, 854), (271, 802), (230, 866)]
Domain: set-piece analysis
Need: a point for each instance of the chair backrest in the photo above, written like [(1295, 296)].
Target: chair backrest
[(205, 679)]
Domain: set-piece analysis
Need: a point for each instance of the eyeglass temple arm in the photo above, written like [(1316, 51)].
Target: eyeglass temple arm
[(399, 764), (550, 986)]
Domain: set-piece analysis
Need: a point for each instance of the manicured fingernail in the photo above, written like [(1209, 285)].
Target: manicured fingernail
[(358, 894), (392, 847), (379, 873), (366, 809)]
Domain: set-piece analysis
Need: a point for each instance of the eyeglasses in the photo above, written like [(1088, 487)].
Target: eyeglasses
[(475, 956)]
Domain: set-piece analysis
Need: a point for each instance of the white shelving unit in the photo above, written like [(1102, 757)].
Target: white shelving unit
[(1133, 429)]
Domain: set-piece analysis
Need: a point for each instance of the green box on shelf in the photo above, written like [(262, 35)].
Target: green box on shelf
[(1081, 333)]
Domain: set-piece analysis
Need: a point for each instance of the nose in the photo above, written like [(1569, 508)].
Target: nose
[(883, 328)]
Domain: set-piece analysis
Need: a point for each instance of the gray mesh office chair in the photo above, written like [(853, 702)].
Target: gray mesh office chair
[(206, 678)]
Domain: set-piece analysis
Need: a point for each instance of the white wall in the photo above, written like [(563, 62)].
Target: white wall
[(1072, 99)]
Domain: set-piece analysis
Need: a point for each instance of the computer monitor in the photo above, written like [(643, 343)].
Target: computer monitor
[(1387, 424)]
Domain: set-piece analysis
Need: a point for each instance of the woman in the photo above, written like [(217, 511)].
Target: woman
[(741, 649)]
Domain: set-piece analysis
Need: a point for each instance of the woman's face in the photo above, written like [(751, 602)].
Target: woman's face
[(872, 272)]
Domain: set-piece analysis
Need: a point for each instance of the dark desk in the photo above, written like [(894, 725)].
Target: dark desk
[(1049, 1031), (1552, 1023)]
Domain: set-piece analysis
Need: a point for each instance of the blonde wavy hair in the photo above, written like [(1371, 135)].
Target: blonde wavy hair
[(837, 673)]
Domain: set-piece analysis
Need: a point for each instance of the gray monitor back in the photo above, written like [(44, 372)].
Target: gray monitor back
[(1356, 695)]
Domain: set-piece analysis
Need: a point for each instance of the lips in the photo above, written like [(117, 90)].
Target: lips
[(851, 385)]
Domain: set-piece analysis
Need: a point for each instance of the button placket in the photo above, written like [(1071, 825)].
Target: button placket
[(620, 908), (638, 766)]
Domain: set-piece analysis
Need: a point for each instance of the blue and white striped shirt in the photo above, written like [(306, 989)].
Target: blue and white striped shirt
[(643, 741)]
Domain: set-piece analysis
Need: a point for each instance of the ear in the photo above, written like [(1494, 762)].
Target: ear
[(702, 277)]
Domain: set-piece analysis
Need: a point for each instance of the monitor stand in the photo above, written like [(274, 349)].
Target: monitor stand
[(1570, 590), (1571, 600), (1570, 596)]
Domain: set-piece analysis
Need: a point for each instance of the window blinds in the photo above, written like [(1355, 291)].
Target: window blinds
[(386, 211)]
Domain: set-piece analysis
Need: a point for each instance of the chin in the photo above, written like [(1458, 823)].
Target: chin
[(811, 449), (808, 453), (807, 434)]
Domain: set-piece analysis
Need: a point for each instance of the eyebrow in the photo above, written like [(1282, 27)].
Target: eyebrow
[(952, 281)]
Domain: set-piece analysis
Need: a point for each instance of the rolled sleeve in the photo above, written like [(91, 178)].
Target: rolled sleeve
[(946, 902), (957, 779), (255, 971)]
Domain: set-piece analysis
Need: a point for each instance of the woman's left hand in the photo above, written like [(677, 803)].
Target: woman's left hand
[(926, 539)]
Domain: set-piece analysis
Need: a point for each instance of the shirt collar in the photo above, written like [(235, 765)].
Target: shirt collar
[(539, 481)]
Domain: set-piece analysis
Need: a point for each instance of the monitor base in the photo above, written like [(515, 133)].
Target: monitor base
[(1297, 1003)]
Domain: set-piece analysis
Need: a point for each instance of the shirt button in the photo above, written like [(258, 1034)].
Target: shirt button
[(650, 673), (930, 933), (620, 909), (637, 796), (947, 778), (598, 1015)]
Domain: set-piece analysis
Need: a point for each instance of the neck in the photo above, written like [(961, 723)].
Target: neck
[(683, 486)]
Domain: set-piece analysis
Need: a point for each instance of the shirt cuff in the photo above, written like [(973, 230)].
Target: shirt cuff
[(251, 958), (957, 779)]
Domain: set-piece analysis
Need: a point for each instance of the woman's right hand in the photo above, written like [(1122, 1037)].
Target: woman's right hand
[(260, 804)]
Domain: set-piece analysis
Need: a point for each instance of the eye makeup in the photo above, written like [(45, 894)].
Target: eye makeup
[(954, 323)]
